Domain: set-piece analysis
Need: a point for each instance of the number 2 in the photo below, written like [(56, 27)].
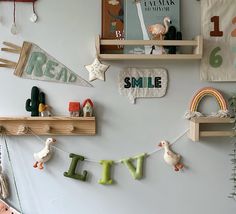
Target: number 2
[(233, 33)]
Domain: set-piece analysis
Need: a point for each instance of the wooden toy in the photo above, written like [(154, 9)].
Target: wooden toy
[(44, 155), (170, 157), (88, 108), (74, 109), (207, 91)]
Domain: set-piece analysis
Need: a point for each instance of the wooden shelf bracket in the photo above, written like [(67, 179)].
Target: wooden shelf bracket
[(196, 132)]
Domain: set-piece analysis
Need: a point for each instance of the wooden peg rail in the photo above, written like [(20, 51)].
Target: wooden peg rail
[(196, 131), (48, 126), (196, 44)]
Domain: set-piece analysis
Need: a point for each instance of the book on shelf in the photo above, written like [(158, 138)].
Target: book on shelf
[(112, 24), (140, 14)]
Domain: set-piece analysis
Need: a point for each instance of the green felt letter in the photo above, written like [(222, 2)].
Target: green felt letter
[(62, 75), (137, 82), (71, 172), (137, 172), (150, 85), (106, 173), (49, 68), (36, 62), (72, 78)]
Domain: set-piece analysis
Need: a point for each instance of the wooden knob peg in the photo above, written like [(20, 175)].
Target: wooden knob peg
[(22, 130)]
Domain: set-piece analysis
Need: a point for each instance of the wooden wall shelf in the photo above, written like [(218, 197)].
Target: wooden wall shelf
[(48, 126), (196, 132), (196, 54)]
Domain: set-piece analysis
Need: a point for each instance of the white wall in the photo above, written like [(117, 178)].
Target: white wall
[(67, 29)]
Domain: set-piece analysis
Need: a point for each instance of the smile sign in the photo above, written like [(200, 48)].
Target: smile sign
[(143, 83)]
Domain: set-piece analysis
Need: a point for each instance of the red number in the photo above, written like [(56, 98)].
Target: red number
[(233, 34), (216, 32)]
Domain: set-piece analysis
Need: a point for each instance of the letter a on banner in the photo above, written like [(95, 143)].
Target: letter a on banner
[(34, 63)]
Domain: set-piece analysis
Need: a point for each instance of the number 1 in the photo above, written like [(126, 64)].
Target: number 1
[(216, 32)]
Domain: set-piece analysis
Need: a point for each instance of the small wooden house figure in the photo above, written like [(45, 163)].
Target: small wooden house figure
[(74, 109), (88, 108)]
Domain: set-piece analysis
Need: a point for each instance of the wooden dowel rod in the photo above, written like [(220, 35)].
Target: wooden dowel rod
[(11, 45), (7, 66), (150, 42), (217, 133), (7, 61), (11, 50)]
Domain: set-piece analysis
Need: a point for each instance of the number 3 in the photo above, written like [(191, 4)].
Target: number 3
[(215, 60)]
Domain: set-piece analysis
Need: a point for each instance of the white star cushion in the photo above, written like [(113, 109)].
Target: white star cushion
[(97, 70)]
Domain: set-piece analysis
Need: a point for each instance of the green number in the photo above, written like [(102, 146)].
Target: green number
[(215, 59)]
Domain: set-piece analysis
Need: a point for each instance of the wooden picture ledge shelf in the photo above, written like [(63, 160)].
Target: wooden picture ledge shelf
[(48, 126), (196, 132), (196, 54)]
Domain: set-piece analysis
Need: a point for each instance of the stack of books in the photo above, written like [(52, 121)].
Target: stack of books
[(130, 20)]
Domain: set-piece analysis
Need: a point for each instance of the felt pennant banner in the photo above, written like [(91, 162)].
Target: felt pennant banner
[(34, 63), (218, 29), (143, 83)]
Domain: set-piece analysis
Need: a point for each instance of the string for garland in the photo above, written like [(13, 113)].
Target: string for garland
[(14, 12), (4, 190), (34, 16), (117, 162), (13, 27), (12, 171)]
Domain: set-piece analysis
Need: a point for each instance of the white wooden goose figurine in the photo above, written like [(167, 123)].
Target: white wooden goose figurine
[(170, 157), (44, 155)]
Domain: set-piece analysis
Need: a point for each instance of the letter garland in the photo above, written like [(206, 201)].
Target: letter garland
[(136, 170)]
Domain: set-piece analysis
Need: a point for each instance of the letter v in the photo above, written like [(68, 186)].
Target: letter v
[(136, 172)]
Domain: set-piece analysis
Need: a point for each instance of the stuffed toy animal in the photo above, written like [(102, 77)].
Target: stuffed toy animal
[(44, 110), (45, 154), (170, 157)]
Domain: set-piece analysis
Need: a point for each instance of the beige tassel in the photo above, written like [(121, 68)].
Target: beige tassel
[(4, 192)]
